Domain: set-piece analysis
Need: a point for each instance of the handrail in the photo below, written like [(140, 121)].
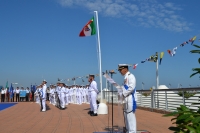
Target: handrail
[(165, 99)]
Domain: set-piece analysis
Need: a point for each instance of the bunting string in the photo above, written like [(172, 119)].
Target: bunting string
[(172, 53)]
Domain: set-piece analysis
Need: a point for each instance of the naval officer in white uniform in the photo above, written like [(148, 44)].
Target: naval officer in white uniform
[(93, 94), (130, 98), (62, 94), (44, 88)]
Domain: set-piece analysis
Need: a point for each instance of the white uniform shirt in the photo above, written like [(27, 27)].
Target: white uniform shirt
[(81, 91), (130, 81), (84, 92), (27, 91), (78, 91), (17, 91), (93, 86), (44, 90), (62, 90), (71, 91), (52, 90), (74, 91), (3, 91), (58, 90), (67, 91)]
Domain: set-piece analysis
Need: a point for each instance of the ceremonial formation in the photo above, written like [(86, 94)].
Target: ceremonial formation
[(61, 95), (87, 107)]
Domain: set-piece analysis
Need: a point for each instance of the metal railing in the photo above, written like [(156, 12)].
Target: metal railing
[(165, 99)]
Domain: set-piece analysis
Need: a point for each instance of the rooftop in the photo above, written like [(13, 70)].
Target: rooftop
[(25, 117)]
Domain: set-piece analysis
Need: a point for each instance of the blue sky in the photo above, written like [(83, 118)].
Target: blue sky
[(39, 39)]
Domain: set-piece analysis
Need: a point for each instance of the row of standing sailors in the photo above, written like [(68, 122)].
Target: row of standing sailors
[(67, 95)]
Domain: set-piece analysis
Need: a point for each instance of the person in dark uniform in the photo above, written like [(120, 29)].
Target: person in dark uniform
[(48, 91), (7, 95), (32, 91), (12, 96)]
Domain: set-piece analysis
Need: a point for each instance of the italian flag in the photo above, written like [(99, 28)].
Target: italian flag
[(88, 29)]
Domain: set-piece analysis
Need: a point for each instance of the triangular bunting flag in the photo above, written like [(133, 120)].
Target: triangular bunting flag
[(184, 43), (134, 66), (169, 51), (193, 39), (174, 51), (161, 56)]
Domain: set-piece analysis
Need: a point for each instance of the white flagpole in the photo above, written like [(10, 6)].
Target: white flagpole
[(157, 77), (99, 49)]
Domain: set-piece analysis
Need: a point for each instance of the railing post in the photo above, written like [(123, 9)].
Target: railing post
[(157, 100), (183, 98), (166, 101), (152, 101), (140, 98)]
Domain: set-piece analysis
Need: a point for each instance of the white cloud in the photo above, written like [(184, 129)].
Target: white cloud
[(148, 13)]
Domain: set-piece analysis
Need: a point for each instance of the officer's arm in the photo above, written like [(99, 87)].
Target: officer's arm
[(131, 86), (94, 86)]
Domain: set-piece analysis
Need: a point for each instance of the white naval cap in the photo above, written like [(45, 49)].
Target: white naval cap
[(92, 75), (61, 82), (122, 66), (44, 81)]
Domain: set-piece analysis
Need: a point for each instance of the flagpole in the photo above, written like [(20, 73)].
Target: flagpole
[(99, 50), (103, 108), (157, 77)]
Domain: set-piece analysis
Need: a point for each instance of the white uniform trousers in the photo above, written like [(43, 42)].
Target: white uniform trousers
[(80, 99), (93, 101), (51, 97), (70, 99), (84, 98), (62, 100), (130, 121), (74, 98), (54, 98), (66, 99), (91, 107), (44, 104), (37, 99), (87, 99), (77, 99)]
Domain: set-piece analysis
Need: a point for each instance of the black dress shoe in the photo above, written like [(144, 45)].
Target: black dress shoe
[(62, 108), (94, 114), (90, 112)]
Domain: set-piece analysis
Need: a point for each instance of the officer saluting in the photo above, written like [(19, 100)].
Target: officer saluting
[(130, 98)]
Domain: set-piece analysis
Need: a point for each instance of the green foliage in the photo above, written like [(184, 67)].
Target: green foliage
[(196, 70), (187, 94), (186, 120), (146, 94)]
